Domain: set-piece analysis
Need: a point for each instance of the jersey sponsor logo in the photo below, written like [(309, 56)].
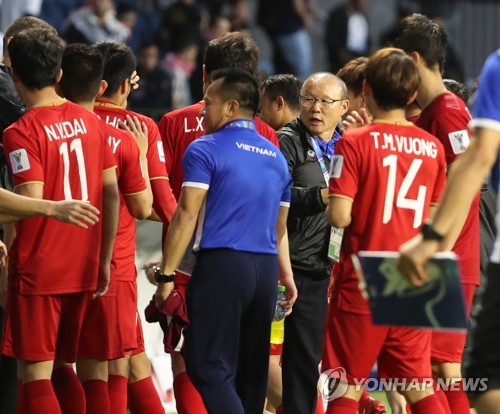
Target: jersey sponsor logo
[(65, 130), (113, 143), (401, 143), (459, 141), (19, 161), (257, 150), (193, 128), (161, 153), (336, 166)]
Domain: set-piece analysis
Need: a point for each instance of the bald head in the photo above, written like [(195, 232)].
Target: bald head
[(323, 101)]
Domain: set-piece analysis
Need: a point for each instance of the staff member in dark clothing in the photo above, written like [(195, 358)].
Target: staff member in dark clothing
[(307, 144), (241, 225)]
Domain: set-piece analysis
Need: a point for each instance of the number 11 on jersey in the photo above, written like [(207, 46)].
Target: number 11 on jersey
[(76, 146)]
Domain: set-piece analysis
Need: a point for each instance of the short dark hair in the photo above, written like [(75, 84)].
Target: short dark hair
[(353, 74), (36, 56), (458, 88), (232, 50), (418, 33), (285, 85), (25, 23), (119, 64), (393, 77), (239, 85), (82, 67)]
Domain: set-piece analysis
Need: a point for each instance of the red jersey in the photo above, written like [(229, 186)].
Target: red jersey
[(63, 147), (447, 118), (164, 202), (393, 173), (181, 127), (130, 182)]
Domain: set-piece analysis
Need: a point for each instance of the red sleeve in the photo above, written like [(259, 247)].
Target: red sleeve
[(344, 169), (23, 156), (108, 160), (266, 131), (168, 144), (164, 203), (131, 180), (440, 183), (155, 155)]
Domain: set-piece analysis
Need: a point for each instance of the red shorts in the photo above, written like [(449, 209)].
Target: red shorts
[(44, 327), (101, 337), (352, 342), (449, 346), (276, 349), (128, 317)]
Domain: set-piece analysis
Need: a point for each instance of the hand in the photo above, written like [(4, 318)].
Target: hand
[(149, 269), (134, 80), (163, 291), (356, 120), (102, 280), (291, 293), (3, 254), (79, 213), (138, 129), (414, 255)]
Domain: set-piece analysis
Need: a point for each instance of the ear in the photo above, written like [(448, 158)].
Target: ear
[(124, 86), (233, 108), (59, 76), (345, 107), (102, 88), (416, 57), (280, 102), (412, 98)]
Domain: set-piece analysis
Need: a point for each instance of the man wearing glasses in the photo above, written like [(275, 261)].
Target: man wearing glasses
[(308, 143)]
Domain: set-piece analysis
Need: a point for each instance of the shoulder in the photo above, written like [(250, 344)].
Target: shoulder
[(190, 111), (293, 131)]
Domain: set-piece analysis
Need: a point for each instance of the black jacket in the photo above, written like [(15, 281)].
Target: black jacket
[(308, 228)]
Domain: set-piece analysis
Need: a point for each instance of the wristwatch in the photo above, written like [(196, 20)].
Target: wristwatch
[(162, 277), (428, 232)]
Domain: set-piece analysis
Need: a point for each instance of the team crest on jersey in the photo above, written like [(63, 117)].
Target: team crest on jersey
[(459, 141), (336, 166), (161, 153), (19, 161)]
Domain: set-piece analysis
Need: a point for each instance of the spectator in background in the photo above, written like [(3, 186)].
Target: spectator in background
[(10, 10), (94, 23), (286, 23), (154, 97), (181, 63), (347, 33), (127, 15)]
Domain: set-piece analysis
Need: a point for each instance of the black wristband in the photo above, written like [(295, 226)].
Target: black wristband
[(162, 277), (428, 233)]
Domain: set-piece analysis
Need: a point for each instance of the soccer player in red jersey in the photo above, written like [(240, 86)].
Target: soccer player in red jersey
[(383, 180), (178, 129), (445, 116), (56, 151), (142, 396), (82, 67)]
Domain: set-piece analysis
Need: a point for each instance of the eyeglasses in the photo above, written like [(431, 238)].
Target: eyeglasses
[(309, 101)]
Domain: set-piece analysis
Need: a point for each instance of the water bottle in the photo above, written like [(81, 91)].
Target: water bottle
[(278, 324)]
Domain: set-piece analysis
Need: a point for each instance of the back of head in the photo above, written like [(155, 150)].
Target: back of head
[(232, 50), (353, 74), (82, 67), (24, 23), (418, 33), (238, 85), (119, 64), (458, 89), (36, 57), (287, 86), (393, 77)]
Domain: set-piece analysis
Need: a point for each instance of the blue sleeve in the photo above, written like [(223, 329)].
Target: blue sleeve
[(198, 164), (486, 111)]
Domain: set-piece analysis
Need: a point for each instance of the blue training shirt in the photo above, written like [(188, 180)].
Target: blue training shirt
[(486, 114), (247, 180)]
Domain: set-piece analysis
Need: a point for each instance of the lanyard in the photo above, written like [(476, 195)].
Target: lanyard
[(321, 161), (241, 123)]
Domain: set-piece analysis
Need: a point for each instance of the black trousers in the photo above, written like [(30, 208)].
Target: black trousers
[(230, 300), (303, 346), (483, 356)]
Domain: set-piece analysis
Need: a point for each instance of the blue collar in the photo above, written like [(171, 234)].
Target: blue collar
[(328, 148), (240, 123)]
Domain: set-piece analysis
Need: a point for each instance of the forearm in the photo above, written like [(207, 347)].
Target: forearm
[(180, 231), (14, 207), (110, 212), (145, 174), (285, 265), (164, 203)]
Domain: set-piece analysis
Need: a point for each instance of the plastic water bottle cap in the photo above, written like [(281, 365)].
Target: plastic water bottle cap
[(281, 288)]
